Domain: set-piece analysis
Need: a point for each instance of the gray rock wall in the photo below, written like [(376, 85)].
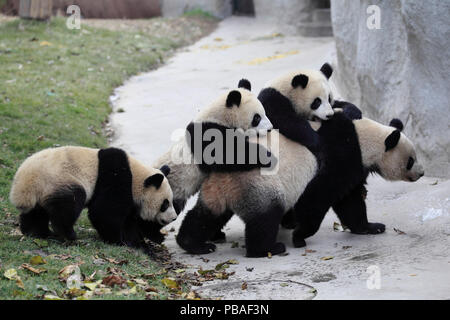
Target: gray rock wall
[(401, 70), (175, 8)]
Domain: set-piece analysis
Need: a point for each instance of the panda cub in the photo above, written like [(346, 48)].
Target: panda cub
[(295, 97), (352, 150), (233, 117), (238, 109), (126, 200)]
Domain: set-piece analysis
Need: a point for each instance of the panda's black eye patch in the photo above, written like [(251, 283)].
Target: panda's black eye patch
[(256, 120), (316, 103), (165, 205), (410, 163)]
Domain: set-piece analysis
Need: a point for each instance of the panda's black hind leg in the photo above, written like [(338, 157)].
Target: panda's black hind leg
[(261, 230), (35, 223), (64, 208), (352, 212)]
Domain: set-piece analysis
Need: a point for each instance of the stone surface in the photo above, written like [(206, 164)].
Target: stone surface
[(308, 18), (175, 8), (400, 70), (413, 265)]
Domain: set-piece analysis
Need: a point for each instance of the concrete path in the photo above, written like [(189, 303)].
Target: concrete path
[(411, 263)]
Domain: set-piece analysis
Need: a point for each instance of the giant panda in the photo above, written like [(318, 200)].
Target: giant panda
[(126, 200), (230, 119), (297, 96), (351, 150), (237, 109)]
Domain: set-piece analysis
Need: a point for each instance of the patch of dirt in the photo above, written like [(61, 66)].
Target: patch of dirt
[(184, 29), (4, 18)]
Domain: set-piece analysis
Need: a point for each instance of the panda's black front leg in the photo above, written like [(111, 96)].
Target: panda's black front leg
[(198, 227), (309, 219), (288, 221), (261, 230), (352, 212)]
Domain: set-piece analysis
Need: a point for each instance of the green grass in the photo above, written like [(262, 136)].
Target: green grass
[(199, 13), (54, 89)]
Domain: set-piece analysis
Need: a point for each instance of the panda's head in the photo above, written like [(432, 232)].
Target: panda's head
[(308, 90), (238, 108), (387, 151), (156, 201)]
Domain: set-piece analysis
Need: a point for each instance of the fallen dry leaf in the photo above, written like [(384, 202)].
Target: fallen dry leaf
[(399, 231), (327, 258), (113, 280), (34, 270), (244, 286)]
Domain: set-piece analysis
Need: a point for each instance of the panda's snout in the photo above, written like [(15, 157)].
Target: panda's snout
[(329, 116)]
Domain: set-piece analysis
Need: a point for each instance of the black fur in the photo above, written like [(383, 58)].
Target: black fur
[(112, 209), (200, 226), (281, 113), (339, 183), (327, 70), (35, 223), (349, 109), (261, 162), (154, 180), (396, 123), (62, 210), (392, 140), (112, 202), (300, 80), (165, 170), (244, 83), (233, 99)]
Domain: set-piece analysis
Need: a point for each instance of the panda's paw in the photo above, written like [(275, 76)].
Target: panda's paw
[(203, 248), (375, 228), (299, 242), (278, 248), (219, 237)]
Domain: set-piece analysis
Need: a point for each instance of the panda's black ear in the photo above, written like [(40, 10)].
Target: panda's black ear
[(165, 170), (300, 80), (244, 83), (154, 180), (392, 140), (327, 70), (234, 98), (397, 124)]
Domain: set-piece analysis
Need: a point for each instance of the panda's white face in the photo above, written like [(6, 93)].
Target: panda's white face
[(322, 100), (238, 109), (309, 91), (400, 162), (156, 202), (387, 151)]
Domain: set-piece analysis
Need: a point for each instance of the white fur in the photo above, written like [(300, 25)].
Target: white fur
[(317, 87)]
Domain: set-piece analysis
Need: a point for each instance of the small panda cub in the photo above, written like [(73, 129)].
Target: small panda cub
[(126, 200), (233, 117), (295, 97)]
